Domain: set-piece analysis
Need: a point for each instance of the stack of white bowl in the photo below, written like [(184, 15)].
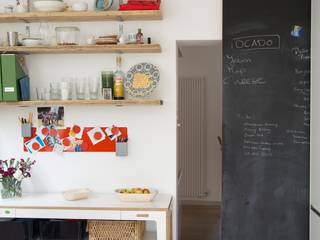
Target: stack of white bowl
[(49, 5)]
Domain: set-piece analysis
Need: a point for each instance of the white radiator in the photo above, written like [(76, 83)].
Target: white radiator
[(192, 138)]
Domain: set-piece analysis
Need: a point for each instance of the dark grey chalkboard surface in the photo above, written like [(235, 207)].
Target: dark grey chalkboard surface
[(266, 120)]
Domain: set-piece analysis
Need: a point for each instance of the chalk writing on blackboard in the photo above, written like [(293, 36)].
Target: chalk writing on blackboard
[(306, 112), (256, 139), (287, 188), (233, 60), (303, 91), (302, 72), (302, 54), (244, 116), (244, 81), (298, 136), (236, 68), (257, 42), (304, 82), (250, 81), (304, 107), (236, 71)]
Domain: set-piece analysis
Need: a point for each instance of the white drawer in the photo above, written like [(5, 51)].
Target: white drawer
[(7, 213), (141, 215), (68, 214)]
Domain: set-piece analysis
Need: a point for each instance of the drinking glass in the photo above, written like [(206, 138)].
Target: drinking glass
[(43, 94), (66, 89), (55, 92), (45, 33), (94, 88), (80, 89)]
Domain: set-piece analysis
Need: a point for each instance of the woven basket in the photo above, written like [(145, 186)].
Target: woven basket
[(116, 230)]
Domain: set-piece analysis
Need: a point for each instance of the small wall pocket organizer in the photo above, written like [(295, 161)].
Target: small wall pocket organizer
[(122, 149), (26, 125), (76, 139), (26, 129)]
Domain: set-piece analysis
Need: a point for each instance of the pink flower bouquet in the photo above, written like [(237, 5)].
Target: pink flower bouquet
[(12, 172)]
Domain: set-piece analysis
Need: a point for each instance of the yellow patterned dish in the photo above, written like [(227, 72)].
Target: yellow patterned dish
[(142, 79)]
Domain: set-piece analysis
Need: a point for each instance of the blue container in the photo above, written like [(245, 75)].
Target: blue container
[(25, 88), (103, 4)]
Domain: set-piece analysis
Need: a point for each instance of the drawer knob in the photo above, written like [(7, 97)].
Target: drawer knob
[(143, 215)]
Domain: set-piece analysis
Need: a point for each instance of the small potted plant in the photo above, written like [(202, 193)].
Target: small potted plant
[(12, 172)]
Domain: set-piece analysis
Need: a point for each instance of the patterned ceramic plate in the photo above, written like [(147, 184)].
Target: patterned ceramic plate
[(142, 79)]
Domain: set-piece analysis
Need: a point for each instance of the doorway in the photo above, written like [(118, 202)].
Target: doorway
[(199, 127)]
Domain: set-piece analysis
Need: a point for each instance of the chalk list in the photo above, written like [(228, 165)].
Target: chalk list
[(256, 139), (237, 68), (269, 135), (301, 82), (250, 75)]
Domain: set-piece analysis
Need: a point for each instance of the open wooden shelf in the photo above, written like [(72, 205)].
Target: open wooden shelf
[(127, 102), (70, 16), (126, 48)]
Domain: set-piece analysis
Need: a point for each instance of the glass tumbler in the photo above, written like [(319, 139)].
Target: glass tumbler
[(80, 89), (94, 88), (43, 94), (45, 33), (66, 89), (55, 92)]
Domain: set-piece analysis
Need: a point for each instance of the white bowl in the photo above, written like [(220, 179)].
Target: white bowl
[(49, 3), (49, 6), (134, 197), (31, 42), (80, 6)]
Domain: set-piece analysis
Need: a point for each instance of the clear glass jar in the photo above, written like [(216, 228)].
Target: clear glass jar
[(67, 35)]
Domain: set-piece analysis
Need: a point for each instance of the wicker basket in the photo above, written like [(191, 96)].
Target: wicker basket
[(116, 230)]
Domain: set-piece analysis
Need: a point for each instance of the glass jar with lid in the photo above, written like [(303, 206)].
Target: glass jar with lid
[(67, 35)]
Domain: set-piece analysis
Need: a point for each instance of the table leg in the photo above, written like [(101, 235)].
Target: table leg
[(169, 225), (162, 227)]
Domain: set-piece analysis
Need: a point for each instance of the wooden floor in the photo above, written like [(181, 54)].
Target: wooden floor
[(200, 222)]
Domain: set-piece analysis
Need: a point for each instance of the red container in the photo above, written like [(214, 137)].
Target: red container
[(141, 5)]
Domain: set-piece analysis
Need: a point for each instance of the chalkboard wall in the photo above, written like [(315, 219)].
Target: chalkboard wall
[(266, 119)]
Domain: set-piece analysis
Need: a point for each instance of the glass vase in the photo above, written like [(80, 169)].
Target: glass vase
[(11, 188)]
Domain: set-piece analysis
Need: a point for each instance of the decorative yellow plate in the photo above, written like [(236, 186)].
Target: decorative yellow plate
[(142, 79)]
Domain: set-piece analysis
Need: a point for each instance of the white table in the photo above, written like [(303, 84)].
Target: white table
[(98, 206)]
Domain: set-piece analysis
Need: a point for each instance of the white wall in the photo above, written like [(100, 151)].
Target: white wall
[(315, 113), (203, 59), (152, 130)]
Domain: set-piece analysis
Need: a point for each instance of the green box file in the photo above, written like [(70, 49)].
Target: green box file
[(12, 72)]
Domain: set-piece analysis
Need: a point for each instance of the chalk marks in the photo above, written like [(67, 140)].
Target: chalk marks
[(236, 67), (302, 54), (298, 136), (257, 139), (257, 42)]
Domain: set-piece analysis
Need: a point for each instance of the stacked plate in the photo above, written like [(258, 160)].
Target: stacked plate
[(105, 40), (49, 5)]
